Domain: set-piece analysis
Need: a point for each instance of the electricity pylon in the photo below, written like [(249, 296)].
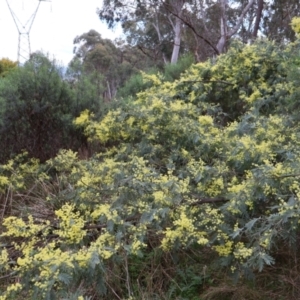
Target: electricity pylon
[(24, 49)]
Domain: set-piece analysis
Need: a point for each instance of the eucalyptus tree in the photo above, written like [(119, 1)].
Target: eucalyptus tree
[(226, 31), (108, 64), (277, 17), (152, 16), (205, 26)]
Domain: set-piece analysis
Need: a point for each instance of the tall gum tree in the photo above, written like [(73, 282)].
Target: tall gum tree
[(227, 33), (108, 64), (154, 12), (177, 8)]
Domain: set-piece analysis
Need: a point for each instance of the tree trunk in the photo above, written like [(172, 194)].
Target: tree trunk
[(177, 40), (221, 44), (176, 10), (225, 34), (260, 6), (223, 27)]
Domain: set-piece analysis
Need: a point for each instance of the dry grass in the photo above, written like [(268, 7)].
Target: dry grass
[(32, 201), (278, 282), (227, 291)]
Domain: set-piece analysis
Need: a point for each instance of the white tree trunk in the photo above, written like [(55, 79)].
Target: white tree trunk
[(156, 26), (223, 27), (176, 10), (177, 40), (225, 34)]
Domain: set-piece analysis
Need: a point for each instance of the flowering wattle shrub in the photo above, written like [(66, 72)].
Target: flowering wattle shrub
[(208, 162)]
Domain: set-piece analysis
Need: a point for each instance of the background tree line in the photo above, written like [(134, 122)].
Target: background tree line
[(163, 28)]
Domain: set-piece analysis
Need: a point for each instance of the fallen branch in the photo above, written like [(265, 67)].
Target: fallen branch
[(207, 200)]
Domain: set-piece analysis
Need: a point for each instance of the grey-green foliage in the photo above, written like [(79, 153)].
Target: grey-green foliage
[(173, 71), (170, 72), (132, 86)]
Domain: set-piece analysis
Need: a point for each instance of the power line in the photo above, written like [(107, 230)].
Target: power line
[(24, 48)]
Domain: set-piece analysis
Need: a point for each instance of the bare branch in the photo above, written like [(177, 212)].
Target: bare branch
[(286, 176), (208, 81), (207, 200), (240, 19), (190, 25)]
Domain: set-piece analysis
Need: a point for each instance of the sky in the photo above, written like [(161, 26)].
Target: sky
[(55, 26)]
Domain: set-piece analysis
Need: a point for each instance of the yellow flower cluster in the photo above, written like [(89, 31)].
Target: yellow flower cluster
[(84, 118), (105, 245), (225, 249), (265, 239), (11, 289), (160, 197), (155, 79), (241, 252), (64, 160), (101, 210), (136, 246), (19, 169), (296, 25), (71, 224), (178, 106), (184, 231), (206, 120), (215, 187), (18, 228), (4, 259), (3, 183)]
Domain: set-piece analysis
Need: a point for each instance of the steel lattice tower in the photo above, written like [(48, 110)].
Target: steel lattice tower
[(24, 49)]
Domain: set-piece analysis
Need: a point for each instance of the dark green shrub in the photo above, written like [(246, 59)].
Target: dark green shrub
[(173, 71), (37, 108)]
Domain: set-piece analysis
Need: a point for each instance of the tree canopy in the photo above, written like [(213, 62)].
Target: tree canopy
[(108, 64), (160, 28), (6, 65)]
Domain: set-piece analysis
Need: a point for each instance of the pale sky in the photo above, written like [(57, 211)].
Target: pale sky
[(56, 25)]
